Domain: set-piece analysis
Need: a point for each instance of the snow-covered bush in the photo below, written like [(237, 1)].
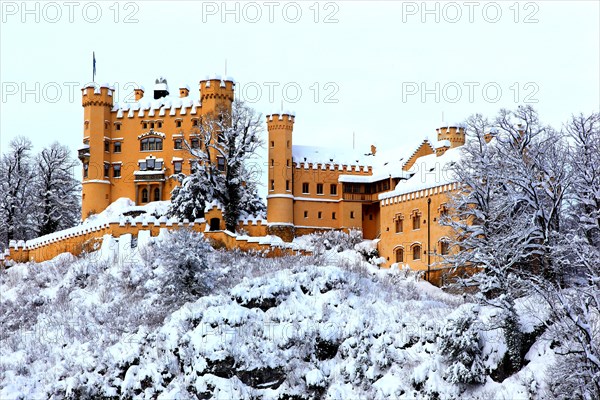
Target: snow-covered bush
[(460, 344), (183, 259)]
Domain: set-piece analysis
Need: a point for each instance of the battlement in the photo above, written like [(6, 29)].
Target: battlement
[(344, 168), (217, 88), (283, 121), (454, 134), (97, 95)]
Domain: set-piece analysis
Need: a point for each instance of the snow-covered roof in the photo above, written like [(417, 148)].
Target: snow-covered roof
[(441, 143), (427, 172), (327, 155)]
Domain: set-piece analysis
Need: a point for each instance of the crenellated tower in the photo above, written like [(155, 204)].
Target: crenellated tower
[(97, 102), (455, 135), (216, 94), (280, 198)]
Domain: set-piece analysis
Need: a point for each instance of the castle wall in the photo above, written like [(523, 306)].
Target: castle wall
[(406, 206)]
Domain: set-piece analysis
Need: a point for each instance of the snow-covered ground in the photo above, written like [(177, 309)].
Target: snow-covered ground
[(328, 326)]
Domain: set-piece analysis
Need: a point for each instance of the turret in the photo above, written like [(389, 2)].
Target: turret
[(97, 102), (216, 94), (280, 198), (449, 137)]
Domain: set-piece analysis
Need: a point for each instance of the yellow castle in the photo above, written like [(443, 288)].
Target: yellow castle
[(132, 149)]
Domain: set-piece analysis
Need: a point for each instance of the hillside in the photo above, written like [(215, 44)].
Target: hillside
[(122, 325)]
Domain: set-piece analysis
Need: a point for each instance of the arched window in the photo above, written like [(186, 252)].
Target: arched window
[(416, 252), (144, 195), (156, 194), (400, 255), (151, 143)]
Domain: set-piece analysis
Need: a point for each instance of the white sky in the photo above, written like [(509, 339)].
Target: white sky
[(371, 57)]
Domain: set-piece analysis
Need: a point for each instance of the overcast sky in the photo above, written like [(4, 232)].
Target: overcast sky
[(388, 71)]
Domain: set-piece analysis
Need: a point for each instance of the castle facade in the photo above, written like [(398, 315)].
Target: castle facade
[(133, 149)]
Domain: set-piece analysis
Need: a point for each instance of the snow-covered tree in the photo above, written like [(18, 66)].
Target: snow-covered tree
[(461, 345), (575, 300), (15, 192), (55, 190), (185, 271), (228, 140), (508, 210)]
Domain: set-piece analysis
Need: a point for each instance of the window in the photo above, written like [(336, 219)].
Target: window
[(144, 125), (116, 170), (177, 166), (144, 195), (150, 163), (272, 162), (352, 214), (305, 188), (151, 125), (272, 184), (177, 144), (221, 164), (399, 225), (305, 214), (333, 189), (106, 145), (272, 143), (287, 185), (332, 215), (178, 124), (117, 147), (150, 144), (287, 163), (195, 143), (85, 170), (156, 194), (194, 122), (319, 215), (160, 124), (106, 170), (288, 144), (193, 166), (444, 247), (319, 188), (118, 127), (400, 255), (416, 220), (416, 252), (142, 165)]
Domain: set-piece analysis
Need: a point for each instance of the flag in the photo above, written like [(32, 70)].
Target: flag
[(94, 66)]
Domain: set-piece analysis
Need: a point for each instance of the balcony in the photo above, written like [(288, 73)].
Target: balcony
[(359, 197), (149, 176), (84, 153)]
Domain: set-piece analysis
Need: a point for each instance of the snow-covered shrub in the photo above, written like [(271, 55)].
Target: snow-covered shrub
[(182, 258), (461, 346)]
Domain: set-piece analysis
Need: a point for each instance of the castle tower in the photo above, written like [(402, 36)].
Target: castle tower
[(453, 134), (216, 94), (280, 198), (97, 103)]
